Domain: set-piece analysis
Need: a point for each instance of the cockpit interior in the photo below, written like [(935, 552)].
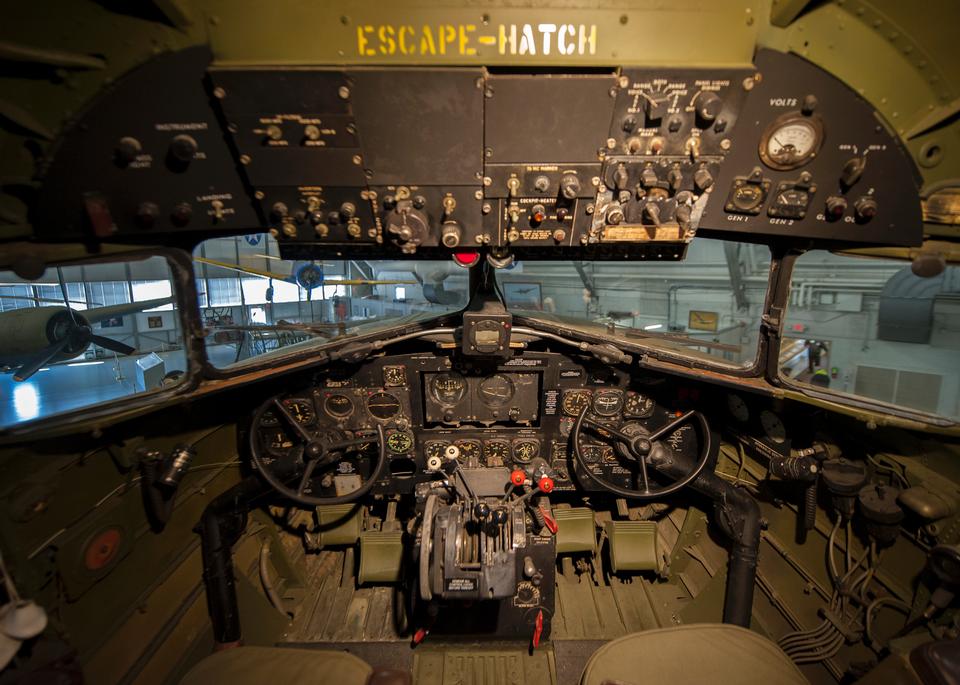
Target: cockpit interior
[(538, 343)]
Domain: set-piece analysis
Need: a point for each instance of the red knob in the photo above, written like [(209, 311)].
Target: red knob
[(546, 484), (517, 477)]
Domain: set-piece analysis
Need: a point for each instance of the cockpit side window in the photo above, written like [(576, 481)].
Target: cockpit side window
[(84, 335), (873, 329)]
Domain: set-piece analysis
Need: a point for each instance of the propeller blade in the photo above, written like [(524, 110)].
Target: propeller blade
[(113, 345), (45, 356), (63, 291)]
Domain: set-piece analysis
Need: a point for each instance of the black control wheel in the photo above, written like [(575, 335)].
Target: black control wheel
[(312, 452), (648, 450)]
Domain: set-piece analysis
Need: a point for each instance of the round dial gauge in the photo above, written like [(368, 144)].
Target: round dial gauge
[(791, 141), (608, 403), (773, 426), (525, 450), (394, 376), (738, 408), (399, 443), (639, 405), (448, 388), (383, 406), (496, 451), (495, 390), (338, 405), (574, 401), (301, 410), (468, 448), (435, 449)]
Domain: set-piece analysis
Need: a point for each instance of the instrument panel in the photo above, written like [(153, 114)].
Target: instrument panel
[(617, 162), (505, 415)]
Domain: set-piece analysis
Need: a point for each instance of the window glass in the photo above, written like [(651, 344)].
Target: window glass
[(256, 305), (117, 335), (708, 306), (873, 329)]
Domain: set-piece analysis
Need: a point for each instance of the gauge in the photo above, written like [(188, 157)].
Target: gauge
[(338, 405), (383, 406), (495, 452), (525, 450), (301, 410), (773, 426), (394, 376), (468, 448), (574, 401), (277, 440), (434, 449), (738, 408), (791, 141), (448, 388), (607, 403), (496, 390), (399, 442), (639, 405), (591, 453)]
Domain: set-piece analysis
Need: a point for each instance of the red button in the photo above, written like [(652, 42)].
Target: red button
[(518, 477), (546, 484), (466, 259)]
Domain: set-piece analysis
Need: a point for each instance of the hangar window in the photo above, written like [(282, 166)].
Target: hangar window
[(871, 328), (255, 304), (707, 307), (87, 334)]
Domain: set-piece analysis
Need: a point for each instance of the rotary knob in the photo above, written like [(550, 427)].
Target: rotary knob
[(128, 148), (408, 224), (570, 186), (183, 148), (707, 105)]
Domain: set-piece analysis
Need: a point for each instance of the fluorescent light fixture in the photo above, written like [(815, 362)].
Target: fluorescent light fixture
[(84, 363), (653, 327)]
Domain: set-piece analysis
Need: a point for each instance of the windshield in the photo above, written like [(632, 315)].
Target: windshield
[(873, 329), (708, 306), (256, 305)]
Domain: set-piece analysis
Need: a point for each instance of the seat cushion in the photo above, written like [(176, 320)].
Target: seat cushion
[(694, 654), (259, 665)]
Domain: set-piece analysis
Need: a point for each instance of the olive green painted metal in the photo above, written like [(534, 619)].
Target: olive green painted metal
[(381, 554), (340, 524), (576, 34), (576, 530), (633, 545)]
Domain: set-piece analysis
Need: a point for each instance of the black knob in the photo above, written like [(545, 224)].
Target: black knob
[(127, 149), (852, 171), (570, 186), (836, 206), (708, 105), (500, 515), (279, 210), (865, 208), (651, 213), (147, 213), (629, 124), (702, 179), (183, 148), (481, 510), (181, 214)]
